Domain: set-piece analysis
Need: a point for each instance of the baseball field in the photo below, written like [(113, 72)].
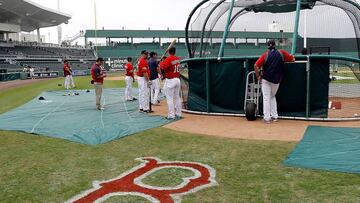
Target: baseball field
[(249, 168)]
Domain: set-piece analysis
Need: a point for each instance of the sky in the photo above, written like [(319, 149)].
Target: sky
[(173, 14), (115, 14)]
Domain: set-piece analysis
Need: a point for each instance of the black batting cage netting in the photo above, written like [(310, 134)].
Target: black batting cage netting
[(328, 32)]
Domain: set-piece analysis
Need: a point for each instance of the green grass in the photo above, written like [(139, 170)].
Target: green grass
[(40, 169), (170, 177), (347, 73)]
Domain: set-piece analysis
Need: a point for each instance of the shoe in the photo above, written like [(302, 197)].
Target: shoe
[(267, 122), (275, 120), (170, 119), (100, 108), (134, 99), (146, 111), (178, 117), (141, 110)]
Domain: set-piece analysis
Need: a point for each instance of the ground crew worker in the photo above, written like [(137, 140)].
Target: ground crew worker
[(129, 79), (269, 69), (98, 75), (154, 77), (69, 81), (143, 82), (171, 67)]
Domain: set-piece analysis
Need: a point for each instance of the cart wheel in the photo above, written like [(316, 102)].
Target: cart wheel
[(251, 111)]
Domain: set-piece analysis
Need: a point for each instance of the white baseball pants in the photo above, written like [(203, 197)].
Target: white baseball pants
[(143, 94), (269, 91), (69, 82), (172, 93), (128, 89), (155, 90)]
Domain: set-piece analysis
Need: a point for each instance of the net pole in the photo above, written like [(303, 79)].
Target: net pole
[(226, 31), (208, 90), (95, 23), (308, 78), (305, 28), (296, 27)]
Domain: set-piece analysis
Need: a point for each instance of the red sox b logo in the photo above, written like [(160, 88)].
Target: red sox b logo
[(130, 183)]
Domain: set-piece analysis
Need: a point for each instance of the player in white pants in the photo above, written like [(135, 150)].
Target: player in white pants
[(269, 91), (154, 77), (143, 82), (155, 91), (272, 64), (69, 81), (173, 99), (171, 67), (129, 79)]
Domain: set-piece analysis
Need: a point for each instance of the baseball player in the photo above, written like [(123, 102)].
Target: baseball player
[(69, 81), (98, 74), (129, 79), (32, 74), (154, 77), (171, 67), (269, 70), (143, 82)]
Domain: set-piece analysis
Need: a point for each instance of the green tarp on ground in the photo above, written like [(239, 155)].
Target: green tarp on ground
[(328, 148), (75, 118)]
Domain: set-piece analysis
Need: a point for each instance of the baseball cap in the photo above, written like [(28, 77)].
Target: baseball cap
[(271, 43), (144, 52), (99, 59)]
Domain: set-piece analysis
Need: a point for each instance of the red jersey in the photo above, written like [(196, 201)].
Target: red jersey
[(129, 70), (261, 61), (96, 71), (66, 70), (171, 67), (143, 67)]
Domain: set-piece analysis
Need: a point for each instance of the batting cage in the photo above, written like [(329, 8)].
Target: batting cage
[(225, 38)]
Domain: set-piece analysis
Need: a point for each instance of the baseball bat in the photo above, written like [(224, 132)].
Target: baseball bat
[(169, 47)]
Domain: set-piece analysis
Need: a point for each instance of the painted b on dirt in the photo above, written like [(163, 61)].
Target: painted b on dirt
[(130, 183)]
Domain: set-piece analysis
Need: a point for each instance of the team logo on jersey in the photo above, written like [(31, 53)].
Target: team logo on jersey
[(130, 183)]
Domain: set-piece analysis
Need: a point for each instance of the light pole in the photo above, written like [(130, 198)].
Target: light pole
[(59, 26)]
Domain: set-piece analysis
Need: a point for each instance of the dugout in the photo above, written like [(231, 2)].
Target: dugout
[(324, 84)]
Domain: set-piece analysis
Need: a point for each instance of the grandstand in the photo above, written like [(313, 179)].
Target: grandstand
[(121, 43), (16, 54)]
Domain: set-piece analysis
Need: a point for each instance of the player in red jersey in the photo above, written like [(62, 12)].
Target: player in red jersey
[(69, 81), (171, 67), (143, 81), (98, 74), (129, 79), (271, 63)]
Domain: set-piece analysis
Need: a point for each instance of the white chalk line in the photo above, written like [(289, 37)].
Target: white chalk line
[(41, 120), (102, 111), (127, 112)]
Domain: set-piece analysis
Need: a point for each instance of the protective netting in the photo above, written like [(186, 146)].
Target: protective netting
[(344, 89), (324, 23)]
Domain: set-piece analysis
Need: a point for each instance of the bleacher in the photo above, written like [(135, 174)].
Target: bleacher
[(15, 56)]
